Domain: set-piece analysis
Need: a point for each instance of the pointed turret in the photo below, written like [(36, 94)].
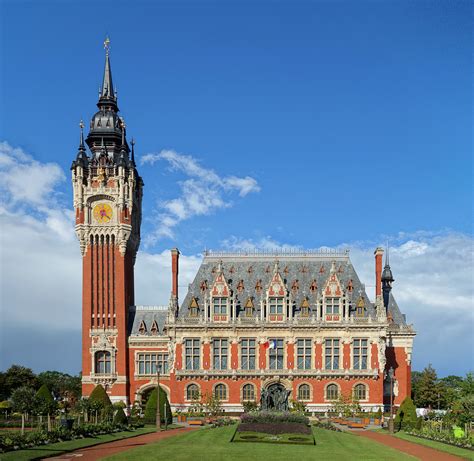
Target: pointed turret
[(387, 280), (81, 158), (107, 94)]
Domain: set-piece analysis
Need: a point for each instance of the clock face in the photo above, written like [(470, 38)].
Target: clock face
[(103, 213)]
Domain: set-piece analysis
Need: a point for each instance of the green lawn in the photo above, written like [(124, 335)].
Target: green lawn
[(252, 437), (214, 445), (462, 452), (55, 449)]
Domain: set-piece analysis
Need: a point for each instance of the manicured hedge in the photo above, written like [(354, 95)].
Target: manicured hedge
[(406, 415), (150, 409)]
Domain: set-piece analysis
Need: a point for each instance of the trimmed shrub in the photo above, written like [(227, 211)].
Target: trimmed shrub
[(150, 409), (120, 417), (99, 395), (406, 415), (274, 417), (249, 406)]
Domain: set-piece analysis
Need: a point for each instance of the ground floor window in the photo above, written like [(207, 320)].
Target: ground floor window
[(192, 392), (332, 392), (360, 392), (304, 392), (248, 392), (220, 392)]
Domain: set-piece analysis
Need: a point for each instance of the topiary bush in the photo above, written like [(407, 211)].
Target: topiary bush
[(150, 409), (406, 415), (99, 395), (120, 417), (273, 417)]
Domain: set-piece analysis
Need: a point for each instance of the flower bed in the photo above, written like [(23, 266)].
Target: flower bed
[(442, 436), (15, 440), (274, 417), (328, 426), (275, 428)]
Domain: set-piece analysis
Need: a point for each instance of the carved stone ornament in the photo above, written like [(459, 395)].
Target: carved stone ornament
[(382, 345)]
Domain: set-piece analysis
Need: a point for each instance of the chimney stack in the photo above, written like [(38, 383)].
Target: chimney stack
[(378, 271), (174, 272)]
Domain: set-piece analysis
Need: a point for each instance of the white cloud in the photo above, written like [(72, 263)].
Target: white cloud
[(202, 193)]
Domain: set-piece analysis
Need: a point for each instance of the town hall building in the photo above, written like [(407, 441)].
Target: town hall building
[(301, 321)]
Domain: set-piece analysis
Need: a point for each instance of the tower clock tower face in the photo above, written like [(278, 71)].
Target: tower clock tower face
[(102, 213)]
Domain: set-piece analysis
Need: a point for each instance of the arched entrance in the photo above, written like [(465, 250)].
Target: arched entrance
[(275, 397)]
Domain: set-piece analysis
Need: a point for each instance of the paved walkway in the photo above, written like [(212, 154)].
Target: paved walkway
[(110, 448), (414, 449)]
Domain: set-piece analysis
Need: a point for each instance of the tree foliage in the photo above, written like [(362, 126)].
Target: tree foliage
[(427, 390), (15, 377), (100, 396), (150, 408), (406, 415), (61, 384), (45, 404)]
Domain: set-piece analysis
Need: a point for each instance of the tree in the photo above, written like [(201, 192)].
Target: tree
[(120, 417), (61, 384), (99, 401), (406, 415), (467, 385), (212, 404), (15, 377), (150, 408), (428, 391), (24, 401), (46, 405)]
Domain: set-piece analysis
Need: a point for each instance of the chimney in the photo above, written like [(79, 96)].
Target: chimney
[(378, 271), (174, 272)]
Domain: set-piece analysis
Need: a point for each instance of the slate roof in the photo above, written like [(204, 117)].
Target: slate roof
[(304, 267), (147, 314), (394, 311)]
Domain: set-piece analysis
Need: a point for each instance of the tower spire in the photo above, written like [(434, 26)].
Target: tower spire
[(107, 92), (387, 280)]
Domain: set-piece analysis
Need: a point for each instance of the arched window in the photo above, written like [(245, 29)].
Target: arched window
[(192, 392), (103, 362), (360, 392), (248, 392), (304, 392), (220, 392), (332, 392)]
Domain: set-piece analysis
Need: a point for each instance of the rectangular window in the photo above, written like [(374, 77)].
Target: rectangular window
[(359, 352), (220, 353), (332, 306), (220, 305), (276, 305), (331, 354), (303, 354), (276, 355), (247, 354), (147, 363), (192, 351)]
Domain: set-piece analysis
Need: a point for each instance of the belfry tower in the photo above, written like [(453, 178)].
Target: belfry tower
[(107, 203)]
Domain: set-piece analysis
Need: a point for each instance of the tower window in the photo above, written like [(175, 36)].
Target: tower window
[(103, 362), (146, 363)]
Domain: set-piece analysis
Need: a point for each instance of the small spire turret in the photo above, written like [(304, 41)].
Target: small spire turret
[(387, 280), (81, 158)]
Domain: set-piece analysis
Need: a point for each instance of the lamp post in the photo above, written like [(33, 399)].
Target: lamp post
[(390, 421), (158, 416)]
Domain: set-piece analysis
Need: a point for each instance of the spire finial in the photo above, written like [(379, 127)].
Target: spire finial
[(122, 123), (107, 45), (81, 126), (387, 260), (132, 142)]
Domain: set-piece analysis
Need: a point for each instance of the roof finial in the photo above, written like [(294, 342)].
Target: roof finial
[(132, 142), (81, 126), (387, 261), (122, 123), (107, 45)]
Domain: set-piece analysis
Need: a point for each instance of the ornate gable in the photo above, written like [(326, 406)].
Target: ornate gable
[(332, 287), (220, 287), (277, 287)]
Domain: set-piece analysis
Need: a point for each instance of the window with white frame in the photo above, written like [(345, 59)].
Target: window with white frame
[(276, 354), (359, 353), (192, 392), (332, 306), (331, 354), (303, 354), (220, 392), (192, 352), (276, 305), (332, 392), (247, 354), (304, 392), (103, 362), (248, 392), (220, 352), (146, 363), (219, 306), (360, 392)]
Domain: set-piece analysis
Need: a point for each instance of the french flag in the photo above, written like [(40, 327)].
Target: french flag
[(269, 344)]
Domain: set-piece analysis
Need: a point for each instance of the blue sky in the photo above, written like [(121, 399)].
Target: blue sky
[(341, 123)]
